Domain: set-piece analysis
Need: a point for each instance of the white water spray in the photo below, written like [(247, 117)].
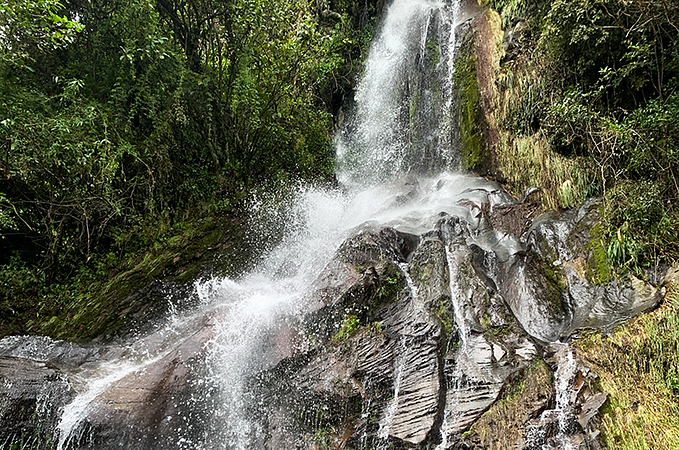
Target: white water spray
[(374, 152), (379, 143)]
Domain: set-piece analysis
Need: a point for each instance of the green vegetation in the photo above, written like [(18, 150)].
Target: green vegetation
[(121, 122), (471, 140), (380, 287), (323, 437), (421, 274), (587, 104), (501, 427), (445, 316), (392, 283), (638, 365), (349, 327), (555, 284), (598, 266), (101, 298)]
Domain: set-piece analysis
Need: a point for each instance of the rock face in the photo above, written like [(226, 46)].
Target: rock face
[(415, 337), (34, 388), (405, 340)]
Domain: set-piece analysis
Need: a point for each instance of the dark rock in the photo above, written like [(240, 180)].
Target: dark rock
[(404, 341), (32, 397)]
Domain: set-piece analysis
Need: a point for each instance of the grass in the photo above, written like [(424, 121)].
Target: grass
[(350, 325), (638, 365), (525, 161), (523, 155)]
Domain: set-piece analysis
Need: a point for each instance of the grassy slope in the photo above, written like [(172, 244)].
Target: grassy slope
[(638, 363)]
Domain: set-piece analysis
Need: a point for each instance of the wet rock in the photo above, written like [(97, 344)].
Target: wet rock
[(474, 308), (35, 387), (32, 396), (390, 366), (514, 219), (568, 258), (404, 341), (577, 399), (410, 366), (166, 391)]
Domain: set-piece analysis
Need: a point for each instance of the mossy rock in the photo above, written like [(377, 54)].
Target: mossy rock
[(378, 288), (524, 397), (474, 151), (137, 298)]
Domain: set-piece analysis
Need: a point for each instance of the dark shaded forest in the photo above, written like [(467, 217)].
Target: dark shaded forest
[(121, 122)]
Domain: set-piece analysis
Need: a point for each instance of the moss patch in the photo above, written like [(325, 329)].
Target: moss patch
[(103, 305), (421, 274), (598, 267), (501, 427), (471, 140), (444, 314), (379, 286), (350, 325), (555, 284)]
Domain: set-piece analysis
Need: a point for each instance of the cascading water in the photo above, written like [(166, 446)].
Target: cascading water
[(395, 158), (403, 115), (561, 418), (402, 118)]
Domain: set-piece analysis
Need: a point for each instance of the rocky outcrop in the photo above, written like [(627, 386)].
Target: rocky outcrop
[(404, 341), (34, 388), (471, 313)]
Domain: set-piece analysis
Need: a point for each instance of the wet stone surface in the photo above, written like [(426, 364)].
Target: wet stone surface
[(405, 340)]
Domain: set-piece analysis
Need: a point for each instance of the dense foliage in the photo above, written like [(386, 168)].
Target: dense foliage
[(117, 116), (599, 79)]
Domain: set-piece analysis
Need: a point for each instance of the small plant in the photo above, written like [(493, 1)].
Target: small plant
[(350, 325)]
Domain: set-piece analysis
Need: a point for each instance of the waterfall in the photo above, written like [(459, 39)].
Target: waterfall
[(396, 162), (402, 122), (560, 419)]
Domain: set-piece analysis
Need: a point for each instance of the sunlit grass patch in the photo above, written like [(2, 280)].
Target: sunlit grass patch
[(638, 366)]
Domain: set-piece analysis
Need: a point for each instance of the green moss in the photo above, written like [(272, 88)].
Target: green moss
[(350, 325), (323, 437), (393, 282), (421, 274), (367, 300), (443, 313), (433, 52), (471, 140), (105, 299), (499, 331), (598, 267), (555, 284)]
